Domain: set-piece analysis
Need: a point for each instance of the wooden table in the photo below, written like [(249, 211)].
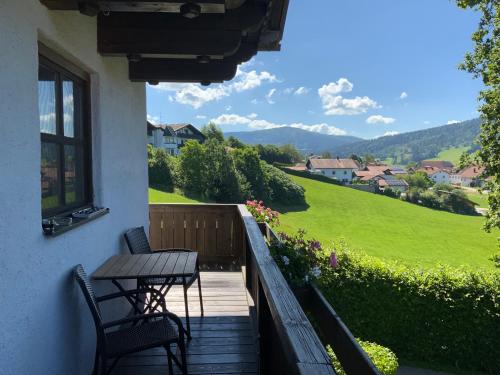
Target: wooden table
[(165, 267), (169, 264)]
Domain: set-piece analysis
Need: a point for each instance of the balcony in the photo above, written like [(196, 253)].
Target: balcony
[(253, 322)]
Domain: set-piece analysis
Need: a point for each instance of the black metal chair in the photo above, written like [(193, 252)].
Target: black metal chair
[(138, 243), (134, 333)]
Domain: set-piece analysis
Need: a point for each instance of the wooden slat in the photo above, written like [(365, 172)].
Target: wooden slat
[(155, 231), (160, 264), (180, 266), (168, 229), (99, 272), (178, 217)]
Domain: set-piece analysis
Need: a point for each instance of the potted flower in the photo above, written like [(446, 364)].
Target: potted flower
[(262, 214)]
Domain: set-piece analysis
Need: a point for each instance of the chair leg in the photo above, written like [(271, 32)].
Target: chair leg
[(186, 307), (169, 358), (182, 347), (199, 292)]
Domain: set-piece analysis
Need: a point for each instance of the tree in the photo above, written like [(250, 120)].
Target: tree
[(192, 167), (248, 163), (234, 142), (222, 180), (292, 153), (484, 62), (368, 158), (160, 169), (326, 155), (356, 158), (417, 180), (212, 131)]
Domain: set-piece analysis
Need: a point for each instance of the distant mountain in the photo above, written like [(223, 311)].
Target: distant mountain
[(305, 141), (418, 145), (399, 149)]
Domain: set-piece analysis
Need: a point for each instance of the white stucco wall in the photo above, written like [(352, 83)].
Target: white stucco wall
[(45, 326), (338, 175), (441, 178)]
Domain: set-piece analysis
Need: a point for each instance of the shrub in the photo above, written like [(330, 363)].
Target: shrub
[(383, 358), (160, 169), (282, 188), (445, 316), (247, 162), (192, 176), (311, 176)]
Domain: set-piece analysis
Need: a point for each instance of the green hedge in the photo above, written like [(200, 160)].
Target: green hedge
[(442, 316), (383, 358), (317, 177)]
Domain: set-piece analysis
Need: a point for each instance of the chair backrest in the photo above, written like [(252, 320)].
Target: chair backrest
[(137, 241), (84, 283)]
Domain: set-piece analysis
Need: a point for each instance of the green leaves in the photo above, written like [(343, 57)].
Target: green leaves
[(443, 316)]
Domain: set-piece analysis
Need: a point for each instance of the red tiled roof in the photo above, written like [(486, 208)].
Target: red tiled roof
[(333, 164), (431, 170), (439, 164), (471, 172), (298, 167)]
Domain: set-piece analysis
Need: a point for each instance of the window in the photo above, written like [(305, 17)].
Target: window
[(345, 172), (65, 139)]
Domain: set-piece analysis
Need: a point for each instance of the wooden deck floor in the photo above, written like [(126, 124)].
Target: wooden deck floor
[(223, 340)]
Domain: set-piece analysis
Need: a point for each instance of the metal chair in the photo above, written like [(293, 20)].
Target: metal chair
[(138, 243), (134, 333)]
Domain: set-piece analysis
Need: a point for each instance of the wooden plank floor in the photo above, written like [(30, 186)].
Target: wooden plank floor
[(223, 340)]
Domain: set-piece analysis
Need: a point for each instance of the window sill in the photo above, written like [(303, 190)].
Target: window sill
[(76, 222)]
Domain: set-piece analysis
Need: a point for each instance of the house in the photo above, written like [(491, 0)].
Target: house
[(390, 181), (370, 171), (439, 164), (172, 137), (338, 169), (72, 113), (439, 176), (470, 177)]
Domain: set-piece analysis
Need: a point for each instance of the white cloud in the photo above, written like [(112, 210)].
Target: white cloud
[(450, 122), (201, 117), (234, 119), (250, 80), (333, 88), (269, 96), (289, 90), (334, 104), (427, 122), (153, 119), (228, 108), (320, 128), (195, 96), (403, 95), (253, 115), (301, 91), (388, 134), (254, 101), (379, 119)]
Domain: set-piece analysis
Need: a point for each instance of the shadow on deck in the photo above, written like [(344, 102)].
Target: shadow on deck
[(223, 340)]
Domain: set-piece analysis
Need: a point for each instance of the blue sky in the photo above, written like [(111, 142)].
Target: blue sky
[(359, 67)]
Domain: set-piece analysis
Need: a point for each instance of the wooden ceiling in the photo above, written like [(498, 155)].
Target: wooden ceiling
[(183, 41)]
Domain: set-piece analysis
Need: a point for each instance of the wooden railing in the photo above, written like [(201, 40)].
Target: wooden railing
[(228, 233), (329, 326), (215, 231)]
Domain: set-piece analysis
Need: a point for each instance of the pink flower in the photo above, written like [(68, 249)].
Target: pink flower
[(333, 260)]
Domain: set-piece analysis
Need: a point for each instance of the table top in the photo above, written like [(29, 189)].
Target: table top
[(155, 265)]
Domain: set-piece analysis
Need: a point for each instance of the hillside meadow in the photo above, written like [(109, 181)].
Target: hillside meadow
[(381, 226)]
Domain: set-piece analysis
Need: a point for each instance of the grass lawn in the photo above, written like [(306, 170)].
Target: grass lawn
[(158, 196), (452, 154), (480, 199), (389, 228)]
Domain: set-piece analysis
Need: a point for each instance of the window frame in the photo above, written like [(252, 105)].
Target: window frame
[(82, 137)]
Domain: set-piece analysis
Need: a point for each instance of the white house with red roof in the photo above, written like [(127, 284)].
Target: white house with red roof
[(470, 176), (338, 169), (439, 176)]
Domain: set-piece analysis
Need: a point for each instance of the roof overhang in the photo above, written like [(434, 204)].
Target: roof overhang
[(183, 41)]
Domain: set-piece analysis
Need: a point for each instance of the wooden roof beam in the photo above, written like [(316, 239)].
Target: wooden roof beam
[(171, 70)]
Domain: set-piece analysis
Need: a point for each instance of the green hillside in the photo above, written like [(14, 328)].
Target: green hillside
[(452, 154), (389, 228), (417, 145), (382, 226)]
